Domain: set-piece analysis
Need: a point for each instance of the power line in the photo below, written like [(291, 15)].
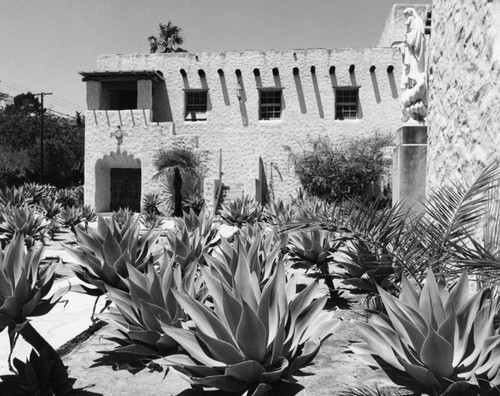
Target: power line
[(41, 94)]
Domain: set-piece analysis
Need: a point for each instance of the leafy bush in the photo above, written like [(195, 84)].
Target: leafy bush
[(346, 170), (436, 341)]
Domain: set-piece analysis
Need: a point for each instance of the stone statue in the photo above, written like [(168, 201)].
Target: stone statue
[(414, 76)]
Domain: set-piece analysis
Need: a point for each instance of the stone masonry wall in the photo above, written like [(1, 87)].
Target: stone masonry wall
[(308, 102), (464, 80)]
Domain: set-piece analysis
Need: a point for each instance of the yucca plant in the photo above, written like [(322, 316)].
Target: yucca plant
[(103, 254), (253, 340), (25, 220), (435, 341), (138, 315), (151, 202), (35, 192), (240, 211)]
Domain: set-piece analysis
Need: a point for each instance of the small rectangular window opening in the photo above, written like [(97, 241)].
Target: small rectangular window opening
[(270, 104), (346, 103), (196, 106)]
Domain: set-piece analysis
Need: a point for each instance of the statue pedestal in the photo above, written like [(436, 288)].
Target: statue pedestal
[(409, 166)]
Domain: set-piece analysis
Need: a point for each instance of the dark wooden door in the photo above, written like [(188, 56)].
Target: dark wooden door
[(125, 189)]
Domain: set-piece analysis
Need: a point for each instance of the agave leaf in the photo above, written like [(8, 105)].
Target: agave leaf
[(187, 339), (408, 295), (136, 349), (248, 371), (31, 304), (232, 312), (271, 377), (430, 305), (251, 335), (223, 382), (13, 257), (437, 355), (383, 341), (221, 350), (111, 249), (448, 329), (204, 318), (306, 319), (459, 294), (421, 374), (247, 284)]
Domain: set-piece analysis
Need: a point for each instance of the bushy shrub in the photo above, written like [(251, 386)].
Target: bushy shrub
[(337, 171)]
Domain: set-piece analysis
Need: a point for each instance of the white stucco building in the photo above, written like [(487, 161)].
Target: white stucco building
[(238, 108)]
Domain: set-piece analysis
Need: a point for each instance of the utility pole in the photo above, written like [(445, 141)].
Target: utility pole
[(41, 94)]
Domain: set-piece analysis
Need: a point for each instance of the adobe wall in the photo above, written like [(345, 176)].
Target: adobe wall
[(464, 79), (308, 105)]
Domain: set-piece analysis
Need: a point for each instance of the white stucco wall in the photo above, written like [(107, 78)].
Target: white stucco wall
[(308, 105), (464, 116)]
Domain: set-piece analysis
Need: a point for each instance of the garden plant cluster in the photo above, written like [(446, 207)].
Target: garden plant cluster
[(228, 312)]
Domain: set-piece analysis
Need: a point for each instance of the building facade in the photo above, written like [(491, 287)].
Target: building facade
[(239, 109)]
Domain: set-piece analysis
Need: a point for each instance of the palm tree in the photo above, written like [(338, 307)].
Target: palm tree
[(179, 163), (168, 39)]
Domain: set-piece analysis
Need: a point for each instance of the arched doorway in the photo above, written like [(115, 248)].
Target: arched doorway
[(118, 182)]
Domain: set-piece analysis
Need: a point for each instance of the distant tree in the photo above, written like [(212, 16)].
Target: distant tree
[(168, 39), (20, 143)]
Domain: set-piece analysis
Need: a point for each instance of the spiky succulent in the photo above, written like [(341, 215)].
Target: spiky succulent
[(253, 339), (438, 341), (26, 220), (24, 284), (103, 254), (39, 375), (240, 211), (138, 315)]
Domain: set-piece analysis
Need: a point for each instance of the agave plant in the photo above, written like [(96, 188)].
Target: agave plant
[(151, 202), (24, 293), (240, 211), (314, 250), (436, 341), (259, 250), (253, 339), (71, 217), (103, 254), (15, 196), (122, 216), (51, 210), (24, 284), (138, 315), (27, 221), (151, 220), (39, 375), (278, 212), (194, 236)]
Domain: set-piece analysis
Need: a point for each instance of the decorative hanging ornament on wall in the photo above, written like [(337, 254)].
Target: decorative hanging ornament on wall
[(118, 134)]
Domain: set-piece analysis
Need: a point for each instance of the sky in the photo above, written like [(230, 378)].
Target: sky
[(45, 43)]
